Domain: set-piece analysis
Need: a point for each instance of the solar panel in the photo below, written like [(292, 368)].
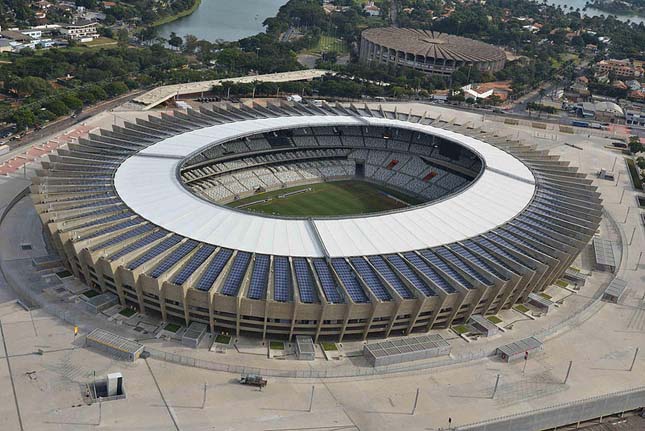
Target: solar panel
[(507, 239), (214, 269), (104, 220), (258, 286), (154, 252), (327, 282), (483, 252), (371, 279), (120, 238), (236, 274), (473, 258), (389, 275), (306, 287), (434, 259), (114, 228), (349, 280), (174, 257), (428, 271), (281, 279), (488, 242), (138, 244), (408, 273), (535, 236), (194, 263)]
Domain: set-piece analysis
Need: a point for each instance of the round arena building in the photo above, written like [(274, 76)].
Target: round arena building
[(293, 219), (428, 51)]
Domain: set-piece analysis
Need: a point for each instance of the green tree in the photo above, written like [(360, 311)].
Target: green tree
[(23, 118)]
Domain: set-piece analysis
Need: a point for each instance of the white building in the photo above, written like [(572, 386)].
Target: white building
[(81, 30)]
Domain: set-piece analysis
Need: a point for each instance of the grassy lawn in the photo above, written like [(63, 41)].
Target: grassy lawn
[(276, 345), (337, 198), (546, 296), (633, 172), (561, 283), (128, 312), (328, 43), (494, 319), (224, 339), (460, 329), (172, 327), (330, 347), (90, 293), (521, 308)]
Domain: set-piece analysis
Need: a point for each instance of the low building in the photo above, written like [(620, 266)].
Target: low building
[(519, 349), (540, 302), (500, 89), (371, 9), (81, 30), (614, 291), (635, 118), (606, 112), (619, 68), (5, 45)]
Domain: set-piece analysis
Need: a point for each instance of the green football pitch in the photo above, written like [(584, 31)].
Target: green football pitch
[(337, 198)]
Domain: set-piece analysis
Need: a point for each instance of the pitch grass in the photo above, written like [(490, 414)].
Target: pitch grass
[(337, 198)]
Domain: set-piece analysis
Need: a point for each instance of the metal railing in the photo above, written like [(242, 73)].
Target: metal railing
[(564, 414)]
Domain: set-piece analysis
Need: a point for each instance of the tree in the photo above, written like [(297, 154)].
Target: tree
[(635, 145), (57, 107), (175, 41), (23, 118), (640, 161), (116, 88)]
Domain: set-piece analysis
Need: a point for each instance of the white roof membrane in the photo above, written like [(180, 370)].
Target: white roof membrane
[(148, 183)]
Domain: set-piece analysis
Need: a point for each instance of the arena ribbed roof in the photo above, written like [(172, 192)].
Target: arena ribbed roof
[(434, 44)]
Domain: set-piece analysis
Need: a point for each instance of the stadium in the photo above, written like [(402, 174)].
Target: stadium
[(428, 51), (333, 222)]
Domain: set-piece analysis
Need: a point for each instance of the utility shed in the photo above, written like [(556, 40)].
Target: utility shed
[(516, 350), (482, 324), (614, 291), (604, 252), (193, 334), (305, 350), (540, 302), (114, 345), (405, 350)]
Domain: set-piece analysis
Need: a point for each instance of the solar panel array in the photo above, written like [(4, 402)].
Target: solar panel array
[(409, 274), (214, 269), (138, 244), (281, 279), (306, 287), (120, 238), (328, 282), (346, 275), (174, 257), (236, 274), (114, 228), (428, 271), (465, 267), (154, 252), (195, 262), (371, 279), (393, 280), (259, 277), (443, 266), (478, 250)]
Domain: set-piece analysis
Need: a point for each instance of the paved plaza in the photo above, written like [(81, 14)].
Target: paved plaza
[(44, 367)]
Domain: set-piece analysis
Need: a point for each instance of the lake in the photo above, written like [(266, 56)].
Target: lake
[(232, 20), (591, 11), (228, 20)]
